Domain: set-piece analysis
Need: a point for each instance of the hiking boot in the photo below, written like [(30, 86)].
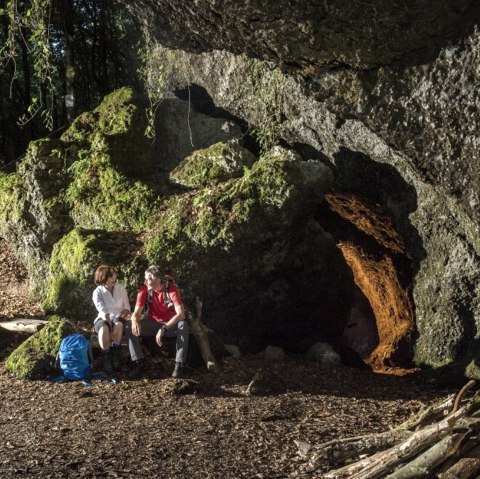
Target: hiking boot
[(179, 371), (136, 371), (107, 362)]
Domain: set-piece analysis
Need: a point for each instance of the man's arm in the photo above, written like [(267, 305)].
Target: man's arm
[(179, 315), (136, 324)]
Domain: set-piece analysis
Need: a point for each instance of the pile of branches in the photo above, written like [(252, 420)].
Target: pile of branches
[(442, 442)]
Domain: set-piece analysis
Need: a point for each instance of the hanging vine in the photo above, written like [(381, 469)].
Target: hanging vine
[(28, 23), (163, 70), (270, 88)]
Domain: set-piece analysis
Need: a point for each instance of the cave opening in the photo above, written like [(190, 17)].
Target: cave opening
[(381, 321), (365, 311)]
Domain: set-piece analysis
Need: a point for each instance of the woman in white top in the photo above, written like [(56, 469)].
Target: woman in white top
[(111, 300)]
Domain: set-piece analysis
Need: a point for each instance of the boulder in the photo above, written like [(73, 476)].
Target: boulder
[(35, 357), (180, 130), (212, 165), (207, 240), (323, 353), (272, 353), (74, 261)]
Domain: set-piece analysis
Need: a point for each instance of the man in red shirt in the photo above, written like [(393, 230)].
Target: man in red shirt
[(166, 317)]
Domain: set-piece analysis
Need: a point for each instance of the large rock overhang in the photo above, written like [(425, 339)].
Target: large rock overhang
[(310, 37)]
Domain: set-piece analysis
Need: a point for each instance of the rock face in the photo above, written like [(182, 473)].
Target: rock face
[(239, 232), (399, 136), (372, 101), (310, 36)]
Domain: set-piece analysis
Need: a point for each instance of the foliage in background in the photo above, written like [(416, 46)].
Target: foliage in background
[(163, 70), (51, 48)]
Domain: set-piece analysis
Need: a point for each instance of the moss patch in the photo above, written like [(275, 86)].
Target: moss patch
[(34, 359), (12, 199), (101, 196), (74, 261), (121, 122), (209, 217), (111, 155), (214, 164)]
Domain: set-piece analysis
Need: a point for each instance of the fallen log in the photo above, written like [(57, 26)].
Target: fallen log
[(199, 331), (465, 466), (427, 416), (341, 450), (380, 464), (426, 462), (23, 325)]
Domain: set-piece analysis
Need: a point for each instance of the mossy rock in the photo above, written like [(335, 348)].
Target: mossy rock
[(34, 359), (101, 196), (108, 188), (279, 190), (121, 122), (180, 130), (218, 162), (74, 261), (206, 239), (13, 200)]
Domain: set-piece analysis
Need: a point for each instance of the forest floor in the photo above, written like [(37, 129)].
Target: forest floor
[(145, 428)]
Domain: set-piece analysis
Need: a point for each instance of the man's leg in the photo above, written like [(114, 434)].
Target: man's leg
[(181, 331), (134, 346), (148, 328)]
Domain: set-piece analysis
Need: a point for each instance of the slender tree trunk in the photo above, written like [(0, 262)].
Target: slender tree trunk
[(67, 8)]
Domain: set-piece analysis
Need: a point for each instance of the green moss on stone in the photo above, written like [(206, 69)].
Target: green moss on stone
[(119, 122), (101, 196), (111, 155), (69, 271), (74, 261), (214, 164), (12, 199), (34, 359), (209, 218)]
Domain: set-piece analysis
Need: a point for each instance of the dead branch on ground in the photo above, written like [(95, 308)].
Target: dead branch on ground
[(199, 331), (437, 441)]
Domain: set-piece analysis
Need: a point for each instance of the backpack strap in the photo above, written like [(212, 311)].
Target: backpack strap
[(148, 303), (99, 376), (168, 282)]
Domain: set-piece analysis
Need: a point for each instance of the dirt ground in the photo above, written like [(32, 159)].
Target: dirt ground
[(148, 428)]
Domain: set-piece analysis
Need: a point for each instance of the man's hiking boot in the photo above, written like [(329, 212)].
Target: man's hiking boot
[(107, 361), (137, 370), (179, 371)]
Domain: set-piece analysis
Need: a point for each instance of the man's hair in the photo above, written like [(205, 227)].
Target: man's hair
[(103, 272), (155, 272)]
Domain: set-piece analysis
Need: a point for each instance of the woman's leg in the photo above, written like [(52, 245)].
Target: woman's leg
[(117, 333), (104, 337), (117, 344)]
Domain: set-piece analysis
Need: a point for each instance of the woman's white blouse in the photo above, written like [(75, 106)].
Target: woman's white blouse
[(106, 302)]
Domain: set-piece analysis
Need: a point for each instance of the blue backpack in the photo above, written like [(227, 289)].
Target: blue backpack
[(74, 357)]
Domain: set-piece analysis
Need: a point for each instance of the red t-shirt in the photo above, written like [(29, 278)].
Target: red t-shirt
[(159, 311)]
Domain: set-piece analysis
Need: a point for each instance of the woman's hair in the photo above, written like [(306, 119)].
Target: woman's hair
[(103, 273), (155, 272)]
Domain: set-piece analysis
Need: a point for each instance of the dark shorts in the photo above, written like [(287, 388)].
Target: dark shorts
[(98, 325)]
